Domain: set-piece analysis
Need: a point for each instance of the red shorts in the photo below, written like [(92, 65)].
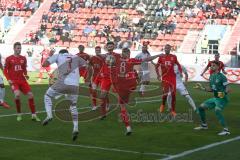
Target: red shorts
[(169, 85), (124, 88), (105, 84), (83, 72), (42, 69), (96, 80), (22, 86)]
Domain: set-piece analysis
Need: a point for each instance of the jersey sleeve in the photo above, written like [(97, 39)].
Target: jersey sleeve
[(6, 68), (135, 61), (209, 64), (53, 59)]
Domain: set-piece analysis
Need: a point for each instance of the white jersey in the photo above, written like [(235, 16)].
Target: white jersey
[(178, 74), (68, 67), (144, 65)]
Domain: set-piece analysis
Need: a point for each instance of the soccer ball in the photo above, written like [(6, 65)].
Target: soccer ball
[(110, 60)]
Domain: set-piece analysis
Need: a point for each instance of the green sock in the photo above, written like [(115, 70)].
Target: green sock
[(220, 118), (202, 115)]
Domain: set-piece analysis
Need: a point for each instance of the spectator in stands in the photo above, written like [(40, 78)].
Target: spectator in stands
[(87, 30), (66, 6), (45, 17), (43, 27), (88, 3), (141, 7), (1, 36), (204, 45)]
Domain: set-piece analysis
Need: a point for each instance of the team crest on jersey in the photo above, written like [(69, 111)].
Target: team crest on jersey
[(21, 61), (217, 81), (171, 58)]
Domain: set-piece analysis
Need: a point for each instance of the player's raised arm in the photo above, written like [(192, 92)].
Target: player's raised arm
[(151, 58), (50, 60)]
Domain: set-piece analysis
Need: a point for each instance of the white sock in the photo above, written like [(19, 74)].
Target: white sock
[(74, 113), (191, 102), (142, 88), (2, 94), (169, 101), (48, 105)]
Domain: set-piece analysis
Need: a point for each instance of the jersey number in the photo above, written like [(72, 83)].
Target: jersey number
[(123, 67), (18, 68)]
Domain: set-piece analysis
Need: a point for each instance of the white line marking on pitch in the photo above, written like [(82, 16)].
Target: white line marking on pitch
[(200, 149), (82, 146), (27, 113)]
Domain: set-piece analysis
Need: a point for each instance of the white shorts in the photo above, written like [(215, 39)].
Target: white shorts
[(54, 93), (144, 76), (181, 88), (1, 80)]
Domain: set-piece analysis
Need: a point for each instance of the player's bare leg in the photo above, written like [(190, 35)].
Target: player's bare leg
[(2, 95), (31, 105)]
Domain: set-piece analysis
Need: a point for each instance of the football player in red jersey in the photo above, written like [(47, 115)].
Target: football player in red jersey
[(15, 71), (106, 81), (44, 55), (83, 70), (96, 63), (125, 81), (221, 65), (168, 77)]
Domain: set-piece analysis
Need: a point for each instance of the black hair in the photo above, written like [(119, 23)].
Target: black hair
[(16, 44)]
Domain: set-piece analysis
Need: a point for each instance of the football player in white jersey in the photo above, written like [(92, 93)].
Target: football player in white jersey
[(181, 87), (2, 88), (144, 71), (67, 84)]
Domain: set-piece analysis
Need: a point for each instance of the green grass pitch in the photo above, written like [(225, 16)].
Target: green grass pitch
[(105, 140)]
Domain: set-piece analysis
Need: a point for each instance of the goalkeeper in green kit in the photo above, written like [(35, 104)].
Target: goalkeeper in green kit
[(218, 85)]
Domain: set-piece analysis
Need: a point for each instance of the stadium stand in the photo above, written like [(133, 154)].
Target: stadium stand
[(130, 22)]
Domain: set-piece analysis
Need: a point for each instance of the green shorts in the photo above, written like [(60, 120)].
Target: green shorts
[(214, 103)]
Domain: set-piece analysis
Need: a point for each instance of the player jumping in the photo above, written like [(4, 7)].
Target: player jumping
[(67, 83), (125, 81)]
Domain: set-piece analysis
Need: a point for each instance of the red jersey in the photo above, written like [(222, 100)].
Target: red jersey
[(107, 70), (96, 62), (84, 56), (45, 55), (167, 62), (125, 68), (221, 66), (15, 68), (125, 77)]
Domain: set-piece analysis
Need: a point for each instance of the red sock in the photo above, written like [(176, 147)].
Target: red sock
[(31, 105), (94, 98), (103, 106), (173, 101), (124, 116), (18, 105)]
